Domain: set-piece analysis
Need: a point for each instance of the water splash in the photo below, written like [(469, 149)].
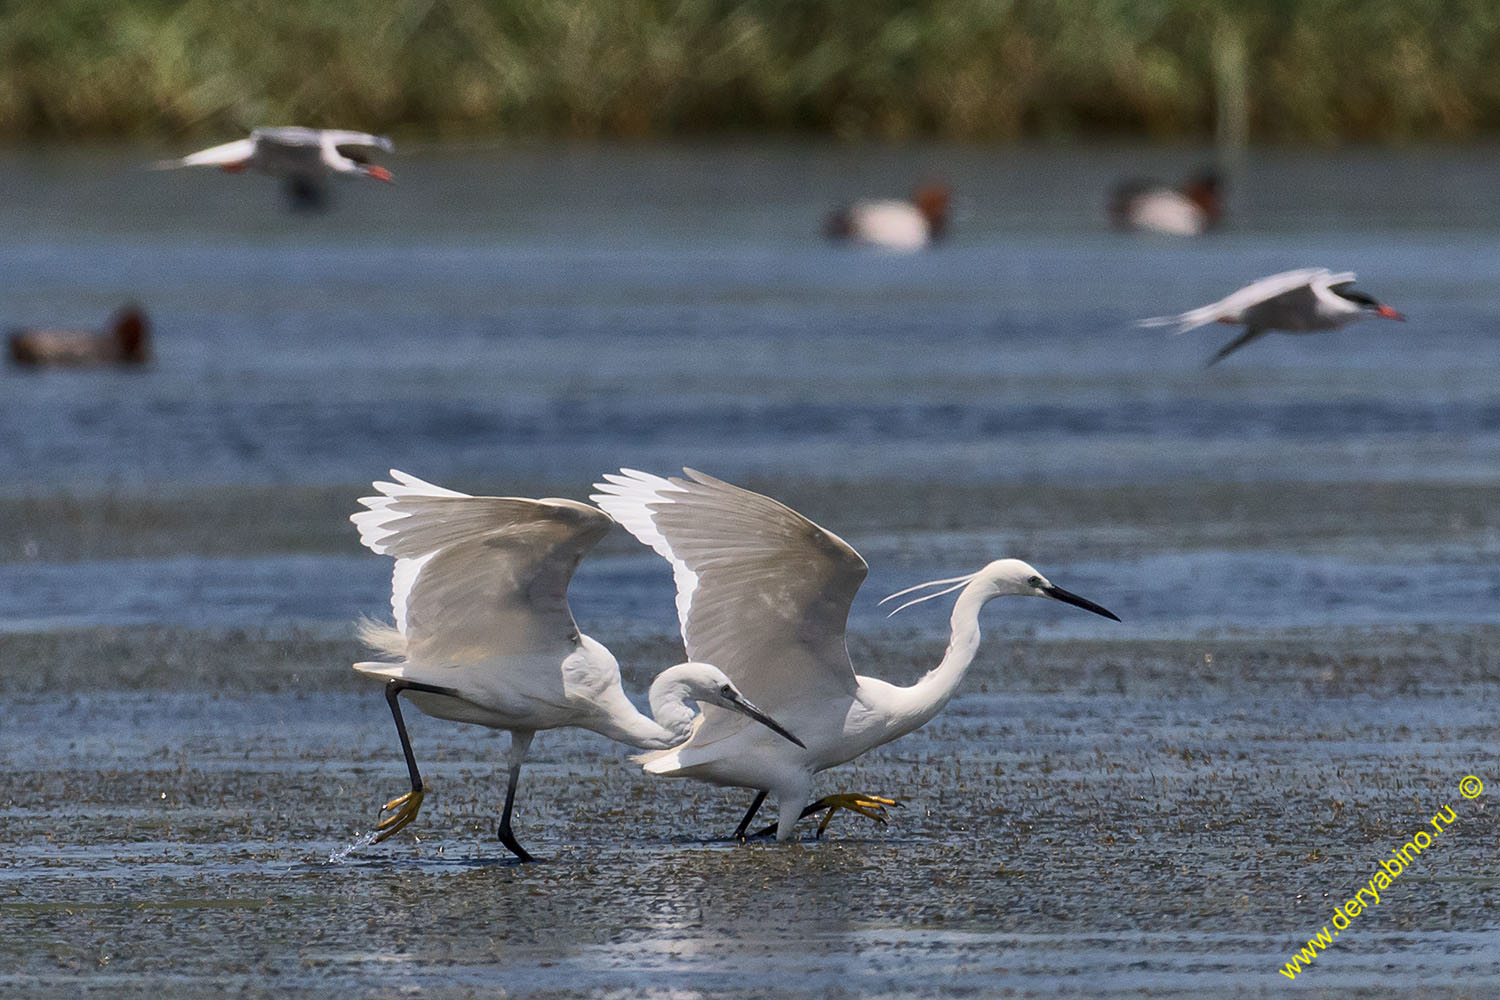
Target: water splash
[(362, 841)]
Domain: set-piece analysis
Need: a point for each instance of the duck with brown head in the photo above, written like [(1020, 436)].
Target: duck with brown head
[(893, 224), (125, 341), (1191, 209)]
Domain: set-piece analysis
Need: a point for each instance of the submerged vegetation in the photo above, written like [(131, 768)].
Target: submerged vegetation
[(1319, 70)]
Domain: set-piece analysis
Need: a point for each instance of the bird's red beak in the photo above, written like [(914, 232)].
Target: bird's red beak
[(380, 174), (1386, 312)]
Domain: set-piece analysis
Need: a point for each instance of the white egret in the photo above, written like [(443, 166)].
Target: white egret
[(890, 224), (1307, 300), (301, 157), (765, 593), (1150, 206), (484, 633)]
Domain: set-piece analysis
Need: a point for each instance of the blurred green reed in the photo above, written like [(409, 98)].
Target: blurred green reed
[(1299, 70)]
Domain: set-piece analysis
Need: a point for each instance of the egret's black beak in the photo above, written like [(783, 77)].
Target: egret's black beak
[(744, 707), (1058, 594)]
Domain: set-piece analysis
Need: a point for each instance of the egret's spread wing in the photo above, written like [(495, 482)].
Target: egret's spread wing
[(1232, 305), (763, 593), (478, 577), (228, 154)]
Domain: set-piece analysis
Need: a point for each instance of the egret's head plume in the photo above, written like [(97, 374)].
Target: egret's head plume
[(947, 586), (1001, 578)]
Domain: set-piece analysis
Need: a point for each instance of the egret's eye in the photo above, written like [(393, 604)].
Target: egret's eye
[(1035, 581), (727, 690)]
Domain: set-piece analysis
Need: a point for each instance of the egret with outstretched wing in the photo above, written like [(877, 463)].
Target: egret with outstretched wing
[(483, 632), (764, 593)]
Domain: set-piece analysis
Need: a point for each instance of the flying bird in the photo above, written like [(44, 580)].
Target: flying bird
[(893, 224), (766, 594), (483, 632), (1308, 300), (125, 341), (1191, 209), (302, 157)]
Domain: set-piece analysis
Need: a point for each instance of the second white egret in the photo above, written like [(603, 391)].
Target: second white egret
[(484, 633), (764, 593)]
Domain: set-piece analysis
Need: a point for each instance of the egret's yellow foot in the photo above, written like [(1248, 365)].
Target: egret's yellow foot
[(405, 809), (869, 806)]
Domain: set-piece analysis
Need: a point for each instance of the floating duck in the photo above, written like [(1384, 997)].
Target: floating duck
[(893, 224), (1150, 206), (126, 341)]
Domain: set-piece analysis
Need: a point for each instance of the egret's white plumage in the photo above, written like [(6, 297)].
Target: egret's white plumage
[(1306, 300), (301, 157), (766, 594), (484, 634)]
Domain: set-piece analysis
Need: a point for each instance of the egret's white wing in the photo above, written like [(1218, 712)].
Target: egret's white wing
[(763, 593), (628, 498), (1231, 306), (478, 577), (238, 151)]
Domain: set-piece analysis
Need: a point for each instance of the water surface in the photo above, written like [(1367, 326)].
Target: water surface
[(1302, 541)]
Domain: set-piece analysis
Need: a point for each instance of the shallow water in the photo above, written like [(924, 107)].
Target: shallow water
[(1302, 542), (1108, 843), (554, 314)]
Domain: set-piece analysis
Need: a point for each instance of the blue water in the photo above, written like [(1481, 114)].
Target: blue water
[(555, 313)]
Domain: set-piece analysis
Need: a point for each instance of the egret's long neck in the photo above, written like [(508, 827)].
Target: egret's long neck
[(927, 697), (618, 719), (636, 730), (673, 716), (672, 724)]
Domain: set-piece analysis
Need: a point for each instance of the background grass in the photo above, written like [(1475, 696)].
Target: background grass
[(1302, 70)]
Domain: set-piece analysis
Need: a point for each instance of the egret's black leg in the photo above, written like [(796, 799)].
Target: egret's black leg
[(404, 808), (519, 744), (392, 692), (739, 831)]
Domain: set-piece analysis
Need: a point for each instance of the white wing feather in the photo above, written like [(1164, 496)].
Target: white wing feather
[(763, 593), (477, 577), (1233, 305), (627, 499)]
